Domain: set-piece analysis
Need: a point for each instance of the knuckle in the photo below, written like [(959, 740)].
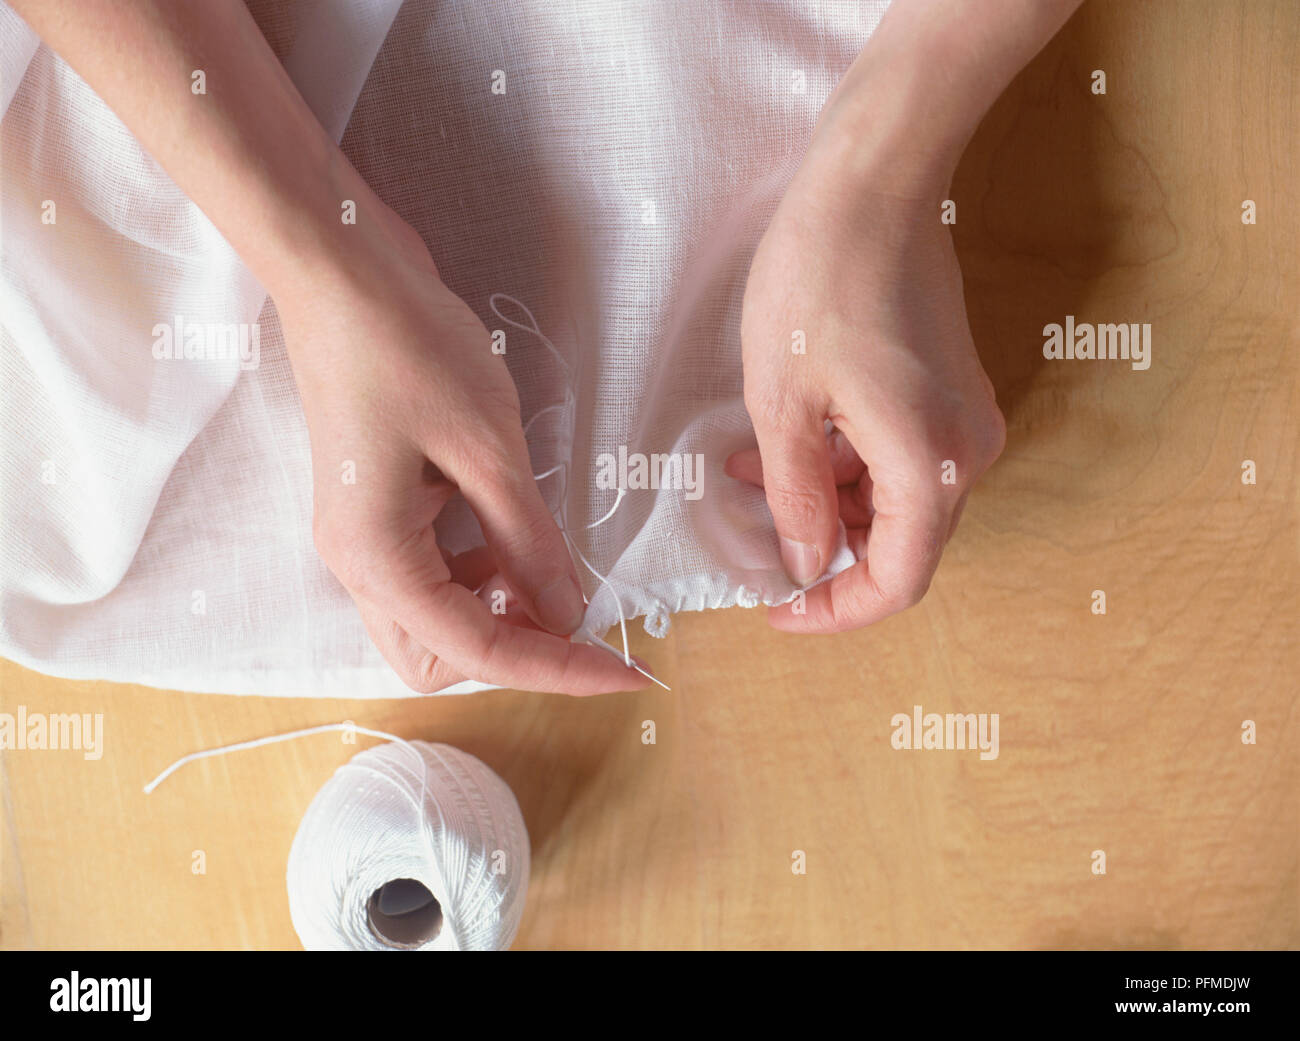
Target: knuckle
[(905, 580), (490, 417), (501, 396), (989, 435), (488, 458), (488, 655), (323, 534), (797, 508), (426, 676), (971, 437), (771, 407), (339, 544), (531, 532), (852, 605), (331, 539), (907, 590)]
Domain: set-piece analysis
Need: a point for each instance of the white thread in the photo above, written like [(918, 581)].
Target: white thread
[(586, 636), (538, 415), (596, 524), (240, 746), (448, 822), (466, 844), (622, 620), (567, 407), (570, 402), (535, 329), (657, 620), (557, 468)]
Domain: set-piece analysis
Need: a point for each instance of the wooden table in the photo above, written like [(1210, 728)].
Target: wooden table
[(1119, 732)]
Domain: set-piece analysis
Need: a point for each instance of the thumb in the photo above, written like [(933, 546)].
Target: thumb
[(521, 533), (800, 487)]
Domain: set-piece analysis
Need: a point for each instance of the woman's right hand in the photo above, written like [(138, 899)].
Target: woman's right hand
[(406, 405)]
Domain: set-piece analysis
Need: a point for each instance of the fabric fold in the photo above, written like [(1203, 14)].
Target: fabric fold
[(611, 165)]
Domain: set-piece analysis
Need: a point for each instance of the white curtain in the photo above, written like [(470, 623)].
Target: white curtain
[(156, 514)]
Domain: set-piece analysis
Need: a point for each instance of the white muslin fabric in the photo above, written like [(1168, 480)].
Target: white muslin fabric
[(411, 810), (156, 514)]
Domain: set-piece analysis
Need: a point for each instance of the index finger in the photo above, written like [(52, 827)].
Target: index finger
[(903, 551), (457, 626)]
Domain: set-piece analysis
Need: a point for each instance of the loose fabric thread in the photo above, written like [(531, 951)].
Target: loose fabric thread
[(567, 408)]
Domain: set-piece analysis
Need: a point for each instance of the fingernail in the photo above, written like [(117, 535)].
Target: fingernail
[(802, 562), (560, 607)]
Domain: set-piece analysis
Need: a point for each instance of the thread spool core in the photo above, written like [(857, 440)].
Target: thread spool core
[(404, 914)]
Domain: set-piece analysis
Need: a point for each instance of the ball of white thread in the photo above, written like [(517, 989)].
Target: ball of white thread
[(459, 834)]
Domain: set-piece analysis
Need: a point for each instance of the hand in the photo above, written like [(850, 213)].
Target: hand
[(873, 284), (399, 384)]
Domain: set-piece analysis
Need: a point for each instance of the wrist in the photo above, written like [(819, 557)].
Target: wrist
[(299, 215), (903, 114), (315, 256), (342, 233), (884, 132)]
